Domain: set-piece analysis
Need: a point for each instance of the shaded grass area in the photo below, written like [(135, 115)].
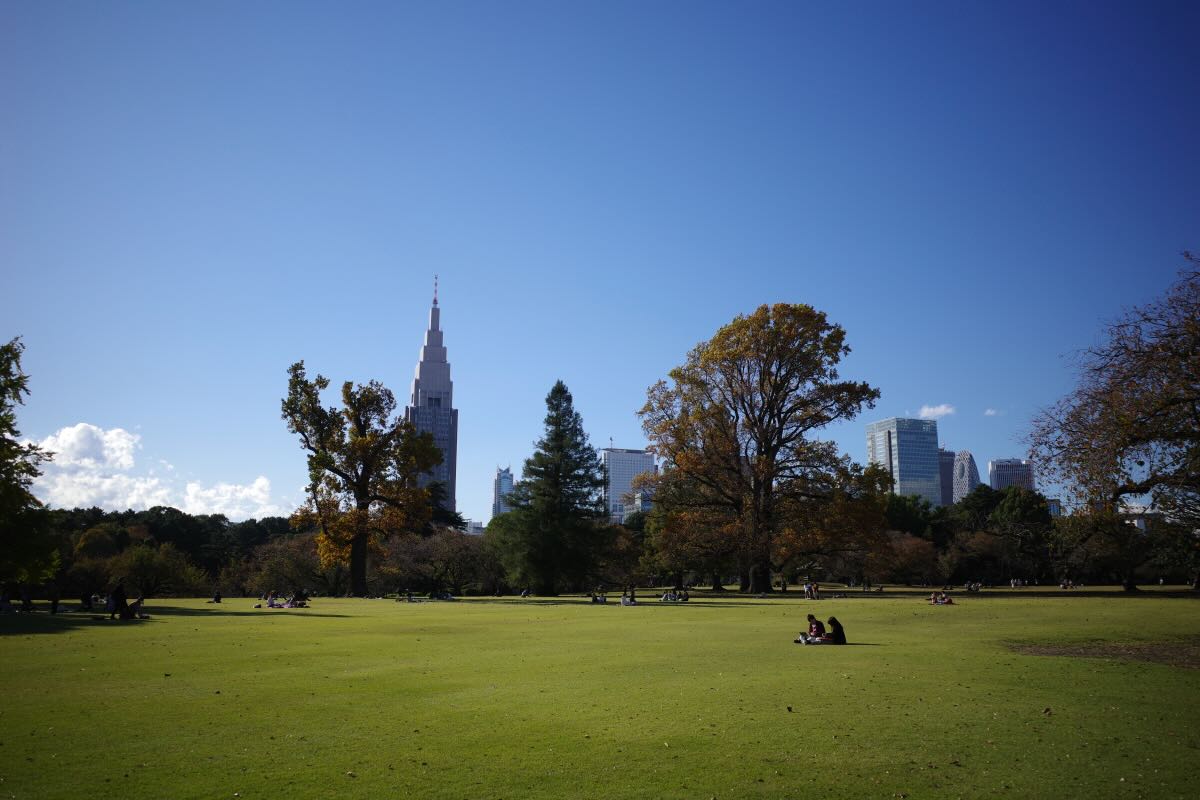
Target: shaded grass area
[(1182, 653), (505, 699)]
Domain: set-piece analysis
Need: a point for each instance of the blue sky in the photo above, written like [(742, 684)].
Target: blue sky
[(194, 196)]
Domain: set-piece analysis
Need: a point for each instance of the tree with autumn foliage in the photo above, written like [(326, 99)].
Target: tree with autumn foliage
[(363, 465), (1130, 431), (740, 420), (840, 527)]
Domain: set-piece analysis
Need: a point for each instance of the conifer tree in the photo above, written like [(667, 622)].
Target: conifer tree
[(27, 552), (555, 533)]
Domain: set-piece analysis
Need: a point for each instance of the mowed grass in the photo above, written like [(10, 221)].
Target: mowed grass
[(529, 699)]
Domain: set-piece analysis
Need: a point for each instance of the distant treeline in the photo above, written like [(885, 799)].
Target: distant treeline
[(166, 552)]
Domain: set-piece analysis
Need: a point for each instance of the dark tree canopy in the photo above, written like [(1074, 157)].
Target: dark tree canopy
[(26, 551), (363, 463), (553, 537)]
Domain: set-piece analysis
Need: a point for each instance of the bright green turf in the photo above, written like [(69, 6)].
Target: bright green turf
[(512, 699)]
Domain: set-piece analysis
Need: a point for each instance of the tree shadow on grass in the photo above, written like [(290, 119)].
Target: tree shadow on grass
[(44, 622)]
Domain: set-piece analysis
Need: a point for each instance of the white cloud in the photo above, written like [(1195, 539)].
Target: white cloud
[(84, 489), (91, 467), (936, 412), (991, 412), (238, 501), (85, 446)]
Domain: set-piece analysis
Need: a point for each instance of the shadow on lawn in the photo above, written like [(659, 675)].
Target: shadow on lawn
[(44, 622)]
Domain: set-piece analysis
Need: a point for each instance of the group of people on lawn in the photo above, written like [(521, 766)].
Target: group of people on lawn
[(817, 634)]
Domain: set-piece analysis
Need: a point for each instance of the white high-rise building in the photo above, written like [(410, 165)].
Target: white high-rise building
[(966, 474), (431, 408), (621, 466), (908, 450), (502, 487)]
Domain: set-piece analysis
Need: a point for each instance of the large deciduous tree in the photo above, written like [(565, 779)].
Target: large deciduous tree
[(363, 464), (554, 536), (27, 550), (739, 418), (1131, 428)]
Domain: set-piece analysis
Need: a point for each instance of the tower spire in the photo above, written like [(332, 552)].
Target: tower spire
[(435, 288)]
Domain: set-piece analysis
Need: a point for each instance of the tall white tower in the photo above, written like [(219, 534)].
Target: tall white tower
[(431, 408)]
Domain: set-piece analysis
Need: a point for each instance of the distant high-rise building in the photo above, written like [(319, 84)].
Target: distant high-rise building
[(1054, 506), (946, 475), (431, 408), (908, 450), (1005, 472), (966, 474), (620, 468), (475, 528), (502, 487)]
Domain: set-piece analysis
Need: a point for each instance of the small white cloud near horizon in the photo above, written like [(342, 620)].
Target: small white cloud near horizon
[(937, 412), (91, 467), (232, 499), (991, 412)]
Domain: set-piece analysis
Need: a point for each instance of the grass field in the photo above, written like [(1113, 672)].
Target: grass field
[(527, 699)]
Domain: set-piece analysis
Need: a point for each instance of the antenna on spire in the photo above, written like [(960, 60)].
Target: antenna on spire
[(435, 288)]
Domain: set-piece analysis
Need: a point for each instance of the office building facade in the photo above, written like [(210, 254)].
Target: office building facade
[(966, 474), (621, 466), (502, 487), (431, 406), (908, 450), (1005, 472), (946, 475)]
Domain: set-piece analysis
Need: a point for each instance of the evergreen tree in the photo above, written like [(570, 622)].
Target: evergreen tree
[(27, 551), (554, 536)]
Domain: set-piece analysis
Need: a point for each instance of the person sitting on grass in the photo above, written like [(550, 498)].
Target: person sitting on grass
[(816, 632), (837, 634)]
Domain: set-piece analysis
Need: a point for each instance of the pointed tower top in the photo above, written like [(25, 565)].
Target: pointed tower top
[(435, 288)]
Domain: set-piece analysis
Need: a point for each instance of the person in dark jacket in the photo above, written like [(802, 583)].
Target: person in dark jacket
[(120, 602), (837, 634)]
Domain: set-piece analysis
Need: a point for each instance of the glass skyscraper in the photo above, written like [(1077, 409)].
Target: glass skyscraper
[(621, 466), (502, 487), (1005, 472), (908, 450), (946, 465)]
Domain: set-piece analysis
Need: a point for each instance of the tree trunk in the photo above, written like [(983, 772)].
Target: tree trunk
[(744, 581), (678, 580), (718, 586), (358, 565), (760, 579)]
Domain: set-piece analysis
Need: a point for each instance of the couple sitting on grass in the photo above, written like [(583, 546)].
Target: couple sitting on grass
[(817, 635), (940, 599)]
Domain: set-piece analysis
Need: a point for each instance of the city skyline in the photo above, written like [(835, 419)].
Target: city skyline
[(598, 191)]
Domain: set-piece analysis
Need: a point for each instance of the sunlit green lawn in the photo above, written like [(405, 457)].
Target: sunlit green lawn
[(526, 699)]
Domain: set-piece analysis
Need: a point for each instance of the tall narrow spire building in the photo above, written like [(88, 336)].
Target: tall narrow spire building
[(431, 408)]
